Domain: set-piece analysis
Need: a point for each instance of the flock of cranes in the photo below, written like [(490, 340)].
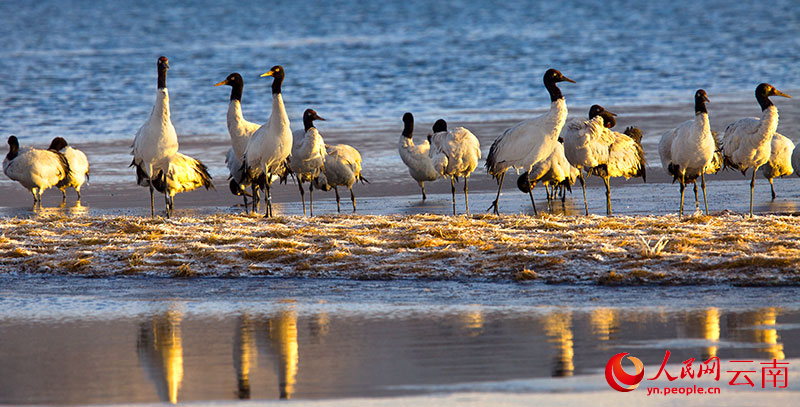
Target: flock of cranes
[(546, 149)]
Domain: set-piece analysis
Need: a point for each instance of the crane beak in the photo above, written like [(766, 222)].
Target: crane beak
[(320, 118), (611, 113), (221, 83), (564, 78), (779, 93), (270, 73), (705, 97)]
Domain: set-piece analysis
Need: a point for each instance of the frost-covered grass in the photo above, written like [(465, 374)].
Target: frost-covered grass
[(727, 248)]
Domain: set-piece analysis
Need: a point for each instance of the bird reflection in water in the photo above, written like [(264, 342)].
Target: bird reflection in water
[(780, 207), (710, 325), (472, 322), (161, 353), (283, 343), (63, 210), (604, 323), (244, 355), (558, 327), (758, 327), (765, 332), (319, 326)]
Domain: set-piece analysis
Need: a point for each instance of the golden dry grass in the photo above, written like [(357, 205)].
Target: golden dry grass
[(593, 249)]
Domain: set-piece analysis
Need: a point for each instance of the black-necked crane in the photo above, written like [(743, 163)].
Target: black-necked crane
[(454, 154), (156, 140), (530, 141), (416, 156), (747, 142)]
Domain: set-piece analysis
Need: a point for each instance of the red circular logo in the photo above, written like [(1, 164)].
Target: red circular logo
[(615, 373)]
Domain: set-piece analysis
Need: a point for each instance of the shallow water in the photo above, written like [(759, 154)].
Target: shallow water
[(81, 341), (86, 70), (627, 198)]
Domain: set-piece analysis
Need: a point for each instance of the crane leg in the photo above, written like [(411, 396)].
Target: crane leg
[(608, 196), (302, 195), (583, 187), (466, 194), (453, 193), (772, 188), (683, 188), (152, 203), (255, 189), (497, 199), (352, 198), (752, 186), (268, 211), (530, 192), (703, 186), (311, 198)]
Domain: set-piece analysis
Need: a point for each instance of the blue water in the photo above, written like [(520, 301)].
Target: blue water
[(86, 69)]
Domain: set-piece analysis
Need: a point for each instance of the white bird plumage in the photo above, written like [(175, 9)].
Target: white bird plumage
[(78, 167), (156, 139), (586, 143), (270, 146), (454, 153), (182, 174), (238, 185), (416, 156), (240, 131), (747, 143), (779, 163), (342, 168), (530, 141), (308, 156), (591, 146), (34, 169), (555, 171)]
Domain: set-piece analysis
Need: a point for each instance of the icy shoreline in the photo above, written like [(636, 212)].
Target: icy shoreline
[(624, 250)]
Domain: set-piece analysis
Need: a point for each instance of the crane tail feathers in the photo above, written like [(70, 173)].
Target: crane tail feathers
[(205, 178)]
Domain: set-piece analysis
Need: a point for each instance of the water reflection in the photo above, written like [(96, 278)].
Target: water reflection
[(283, 343), (759, 327), (359, 353), (558, 327), (319, 329), (244, 354), (472, 322), (767, 334), (779, 206), (604, 322), (710, 325), (161, 353), (63, 209)]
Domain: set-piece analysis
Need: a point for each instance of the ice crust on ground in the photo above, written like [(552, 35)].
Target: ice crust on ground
[(722, 249)]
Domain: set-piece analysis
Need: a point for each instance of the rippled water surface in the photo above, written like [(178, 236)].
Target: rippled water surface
[(86, 69), (80, 341)]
